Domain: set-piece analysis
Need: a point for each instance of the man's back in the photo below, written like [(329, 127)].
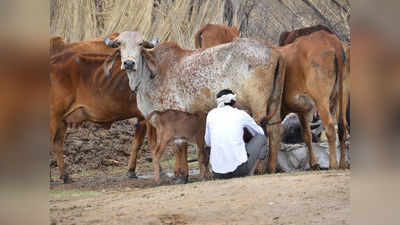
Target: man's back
[(224, 133)]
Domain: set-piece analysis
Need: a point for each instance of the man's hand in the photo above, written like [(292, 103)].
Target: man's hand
[(247, 135)]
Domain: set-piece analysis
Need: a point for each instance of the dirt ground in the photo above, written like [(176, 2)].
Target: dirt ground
[(102, 194), (307, 198)]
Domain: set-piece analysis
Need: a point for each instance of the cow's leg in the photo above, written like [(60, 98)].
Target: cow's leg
[(156, 163), (307, 137), (274, 132), (57, 134), (330, 131), (138, 138), (342, 132), (156, 153)]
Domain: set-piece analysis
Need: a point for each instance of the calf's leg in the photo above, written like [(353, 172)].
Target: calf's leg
[(156, 153), (183, 167), (203, 158), (177, 163)]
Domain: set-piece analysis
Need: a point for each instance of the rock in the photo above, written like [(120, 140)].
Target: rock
[(295, 157)]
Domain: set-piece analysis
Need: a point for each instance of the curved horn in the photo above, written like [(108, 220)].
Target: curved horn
[(155, 41), (109, 42)]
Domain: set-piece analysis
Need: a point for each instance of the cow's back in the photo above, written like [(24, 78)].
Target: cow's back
[(246, 66), (211, 35), (95, 45)]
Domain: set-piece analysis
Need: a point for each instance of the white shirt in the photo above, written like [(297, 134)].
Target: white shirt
[(224, 133)]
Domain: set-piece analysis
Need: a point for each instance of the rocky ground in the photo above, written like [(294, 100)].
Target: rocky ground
[(92, 147)]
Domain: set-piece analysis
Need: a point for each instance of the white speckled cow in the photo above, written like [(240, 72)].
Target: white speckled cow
[(169, 77)]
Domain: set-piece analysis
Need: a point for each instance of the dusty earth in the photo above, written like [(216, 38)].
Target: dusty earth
[(307, 198), (102, 194)]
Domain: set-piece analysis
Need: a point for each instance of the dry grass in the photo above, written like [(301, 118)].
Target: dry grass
[(176, 20), (74, 20)]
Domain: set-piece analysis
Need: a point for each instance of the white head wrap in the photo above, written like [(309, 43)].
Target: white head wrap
[(225, 99)]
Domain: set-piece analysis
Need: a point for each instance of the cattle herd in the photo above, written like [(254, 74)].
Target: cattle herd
[(170, 89)]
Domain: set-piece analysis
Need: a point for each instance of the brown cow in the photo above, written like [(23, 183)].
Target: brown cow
[(314, 78), (181, 128), (169, 77), (96, 45), (211, 35), (80, 91), (287, 37)]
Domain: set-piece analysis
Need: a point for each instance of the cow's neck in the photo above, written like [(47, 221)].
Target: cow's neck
[(144, 84)]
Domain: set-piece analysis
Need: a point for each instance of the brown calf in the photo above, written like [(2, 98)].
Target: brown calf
[(80, 91), (181, 128), (211, 35)]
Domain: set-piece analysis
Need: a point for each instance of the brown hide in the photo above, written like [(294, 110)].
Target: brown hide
[(211, 35), (289, 37), (314, 78), (80, 91), (181, 128), (96, 45)]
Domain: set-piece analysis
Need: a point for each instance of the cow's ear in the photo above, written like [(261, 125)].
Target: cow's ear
[(109, 62), (283, 37), (151, 62)]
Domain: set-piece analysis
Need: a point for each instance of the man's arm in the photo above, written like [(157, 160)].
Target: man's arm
[(251, 125)]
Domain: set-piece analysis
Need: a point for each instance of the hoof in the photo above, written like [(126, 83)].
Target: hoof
[(52, 183), (156, 183), (343, 166), (179, 180), (131, 174), (163, 174), (66, 179), (315, 167), (207, 176)]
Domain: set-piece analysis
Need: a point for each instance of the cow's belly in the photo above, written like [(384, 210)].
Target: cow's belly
[(108, 109)]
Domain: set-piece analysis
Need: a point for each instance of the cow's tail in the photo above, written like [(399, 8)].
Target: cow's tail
[(340, 58), (275, 99), (274, 105)]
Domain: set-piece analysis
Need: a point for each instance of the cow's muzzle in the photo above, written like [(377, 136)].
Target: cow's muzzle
[(129, 65)]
